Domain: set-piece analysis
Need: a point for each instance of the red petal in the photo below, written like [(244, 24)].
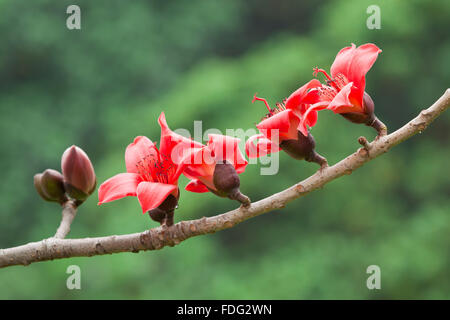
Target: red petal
[(201, 166), (199, 163), (263, 146), (311, 120), (152, 194), (344, 102), (284, 123), (196, 186), (141, 148), (117, 187), (301, 100), (298, 96), (354, 63), (310, 116), (174, 145), (227, 148)]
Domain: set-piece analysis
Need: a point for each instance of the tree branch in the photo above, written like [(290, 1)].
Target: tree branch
[(157, 238)]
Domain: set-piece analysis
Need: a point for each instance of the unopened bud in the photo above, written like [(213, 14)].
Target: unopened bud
[(227, 182), (37, 185), (50, 186), (78, 172)]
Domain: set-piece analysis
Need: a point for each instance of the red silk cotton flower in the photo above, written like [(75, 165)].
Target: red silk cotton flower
[(344, 92), (216, 166), (286, 127), (152, 173)]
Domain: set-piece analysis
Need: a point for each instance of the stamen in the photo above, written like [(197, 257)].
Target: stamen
[(317, 70), (156, 168), (327, 92), (263, 100), (279, 107), (340, 81)]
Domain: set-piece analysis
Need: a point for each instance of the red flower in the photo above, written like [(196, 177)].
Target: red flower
[(344, 92), (152, 173), (284, 122), (201, 169)]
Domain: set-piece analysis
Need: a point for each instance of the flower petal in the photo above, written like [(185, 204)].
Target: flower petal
[(227, 148), (201, 166), (152, 194), (284, 123), (196, 186), (344, 102), (298, 96), (263, 146), (199, 163), (117, 187), (174, 145), (308, 120), (141, 148), (311, 119), (354, 63), (310, 116)]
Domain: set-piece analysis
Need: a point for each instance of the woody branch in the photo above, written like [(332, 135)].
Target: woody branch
[(159, 237)]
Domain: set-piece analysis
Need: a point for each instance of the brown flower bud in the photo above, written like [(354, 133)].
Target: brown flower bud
[(37, 185), (227, 183), (50, 186), (78, 172)]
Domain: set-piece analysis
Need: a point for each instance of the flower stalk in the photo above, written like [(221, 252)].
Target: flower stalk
[(68, 215)]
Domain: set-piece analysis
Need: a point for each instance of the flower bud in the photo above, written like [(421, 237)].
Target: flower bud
[(227, 182), (78, 172), (37, 185), (50, 186)]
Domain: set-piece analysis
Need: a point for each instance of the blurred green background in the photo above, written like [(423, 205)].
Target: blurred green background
[(101, 86)]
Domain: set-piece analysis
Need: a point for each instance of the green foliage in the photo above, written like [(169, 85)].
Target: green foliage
[(102, 86)]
